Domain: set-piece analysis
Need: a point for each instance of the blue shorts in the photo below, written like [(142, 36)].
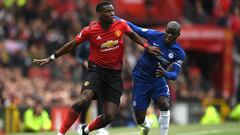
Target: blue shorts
[(144, 91)]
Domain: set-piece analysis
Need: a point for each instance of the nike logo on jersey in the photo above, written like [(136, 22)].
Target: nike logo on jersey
[(155, 44), (99, 37)]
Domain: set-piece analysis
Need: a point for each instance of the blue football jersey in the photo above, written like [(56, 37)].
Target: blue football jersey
[(148, 64)]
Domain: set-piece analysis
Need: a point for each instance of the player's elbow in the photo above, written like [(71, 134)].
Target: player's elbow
[(174, 78), (171, 76)]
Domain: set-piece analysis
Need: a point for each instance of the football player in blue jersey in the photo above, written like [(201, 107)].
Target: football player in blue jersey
[(150, 74)]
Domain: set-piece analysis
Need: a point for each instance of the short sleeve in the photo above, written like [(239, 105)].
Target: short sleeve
[(126, 27), (180, 58), (83, 35)]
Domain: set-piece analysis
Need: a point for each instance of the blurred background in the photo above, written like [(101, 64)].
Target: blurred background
[(209, 84)]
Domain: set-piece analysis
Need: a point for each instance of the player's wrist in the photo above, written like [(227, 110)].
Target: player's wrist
[(145, 45), (52, 57)]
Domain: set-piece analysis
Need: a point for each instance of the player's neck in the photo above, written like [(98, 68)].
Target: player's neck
[(105, 25)]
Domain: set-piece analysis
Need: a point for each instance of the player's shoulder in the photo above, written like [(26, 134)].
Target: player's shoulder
[(93, 25), (153, 32), (120, 22), (179, 50)]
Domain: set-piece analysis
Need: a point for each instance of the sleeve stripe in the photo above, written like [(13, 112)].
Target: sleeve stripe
[(177, 64)]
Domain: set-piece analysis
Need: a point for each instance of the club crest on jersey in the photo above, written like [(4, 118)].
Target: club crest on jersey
[(109, 43), (86, 83), (170, 55), (118, 33)]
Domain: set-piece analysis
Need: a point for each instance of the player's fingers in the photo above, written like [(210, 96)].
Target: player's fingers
[(156, 51), (34, 60), (42, 64)]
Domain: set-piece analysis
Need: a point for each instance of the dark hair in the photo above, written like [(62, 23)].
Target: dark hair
[(100, 5)]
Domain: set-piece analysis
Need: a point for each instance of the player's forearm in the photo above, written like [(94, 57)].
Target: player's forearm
[(170, 75), (66, 48), (134, 37), (135, 28), (173, 74)]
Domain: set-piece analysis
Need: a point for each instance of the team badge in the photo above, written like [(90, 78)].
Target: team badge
[(86, 83), (118, 33), (134, 103), (170, 55)]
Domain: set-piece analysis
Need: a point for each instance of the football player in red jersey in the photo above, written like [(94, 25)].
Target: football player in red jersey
[(105, 63)]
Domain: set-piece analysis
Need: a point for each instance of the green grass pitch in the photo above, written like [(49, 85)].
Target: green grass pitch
[(193, 129)]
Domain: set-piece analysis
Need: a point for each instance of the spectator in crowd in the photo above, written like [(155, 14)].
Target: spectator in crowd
[(198, 87), (234, 24), (221, 11), (1, 93), (36, 118), (197, 11)]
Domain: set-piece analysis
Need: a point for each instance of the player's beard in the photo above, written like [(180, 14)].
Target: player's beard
[(109, 21), (106, 20)]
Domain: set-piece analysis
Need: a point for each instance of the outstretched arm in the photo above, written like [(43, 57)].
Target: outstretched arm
[(143, 32), (151, 49), (66, 48)]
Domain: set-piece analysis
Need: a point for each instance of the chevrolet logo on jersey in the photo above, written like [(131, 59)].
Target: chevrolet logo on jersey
[(109, 43)]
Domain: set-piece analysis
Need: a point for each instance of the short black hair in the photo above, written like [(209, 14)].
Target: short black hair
[(100, 5)]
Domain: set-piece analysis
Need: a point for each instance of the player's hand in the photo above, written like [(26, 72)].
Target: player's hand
[(85, 64), (153, 50), (42, 61), (160, 71)]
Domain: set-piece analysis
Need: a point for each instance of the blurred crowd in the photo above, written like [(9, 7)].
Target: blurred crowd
[(35, 28)]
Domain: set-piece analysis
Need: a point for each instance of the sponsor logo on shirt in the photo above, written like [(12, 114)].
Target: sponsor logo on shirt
[(162, 60), (109, 45)]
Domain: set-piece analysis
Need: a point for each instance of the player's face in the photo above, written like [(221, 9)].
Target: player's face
[(107, 14), (171, 35)]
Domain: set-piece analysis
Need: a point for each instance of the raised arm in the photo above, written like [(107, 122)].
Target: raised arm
[(66, 48), (151, 49)]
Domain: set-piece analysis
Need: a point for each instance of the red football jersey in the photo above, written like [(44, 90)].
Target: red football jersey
[(106, 45)]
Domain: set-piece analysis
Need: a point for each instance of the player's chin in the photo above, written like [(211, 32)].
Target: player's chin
[(109, 22), (168, 41)]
